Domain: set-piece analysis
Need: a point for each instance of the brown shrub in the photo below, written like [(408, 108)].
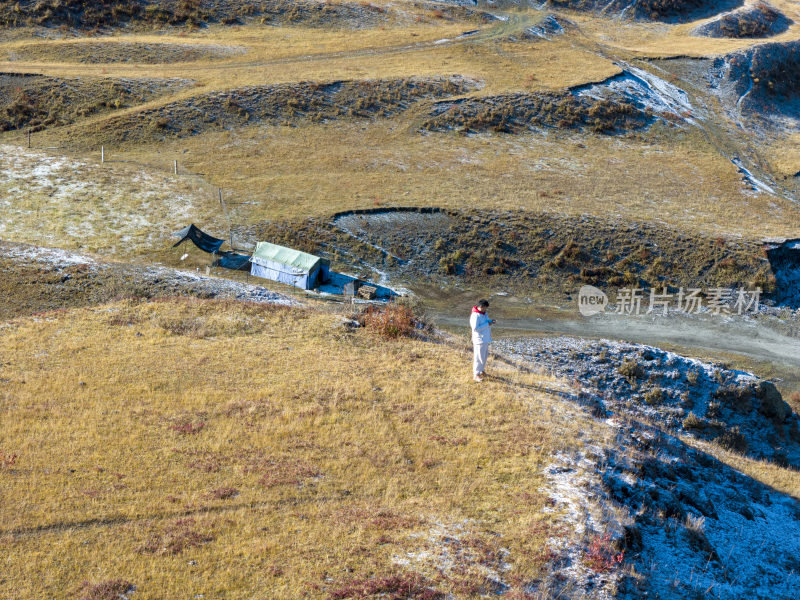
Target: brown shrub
[(732, 439), (737, 397), (176, 538), (602, 556), (391, 321), (654, 396), (692, 421), (7, 460), (631, 370), (113, 589), (223, 493)]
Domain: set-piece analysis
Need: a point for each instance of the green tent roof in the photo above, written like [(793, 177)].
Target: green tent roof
[(285, 256)]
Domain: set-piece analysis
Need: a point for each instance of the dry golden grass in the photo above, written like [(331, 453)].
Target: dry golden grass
[(316, 170), (658, 40), (289, 172), (288, 55), (201, 447), (130, 209), (115, 209), (786, 481), (263, 44), (784, 155)]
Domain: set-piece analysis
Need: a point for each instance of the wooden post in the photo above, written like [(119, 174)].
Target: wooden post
[(175, 164), (29, 138), (102, 154), (227, 216)]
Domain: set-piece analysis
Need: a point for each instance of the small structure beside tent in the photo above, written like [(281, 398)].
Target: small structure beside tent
[(233, 261), (289, 266)]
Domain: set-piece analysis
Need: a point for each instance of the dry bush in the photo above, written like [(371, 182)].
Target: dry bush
[(391, 322), (112, 589), (601, 555), (654, 396), (737, 397), (631, 369), (695, 531), (693, 422), (7, 460), (223, 493), (177, 537), (732, 439)]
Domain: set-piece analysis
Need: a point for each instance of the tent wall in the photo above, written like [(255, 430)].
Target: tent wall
[(324, 271), (284, 274)]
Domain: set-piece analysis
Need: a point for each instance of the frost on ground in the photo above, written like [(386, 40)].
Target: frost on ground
[(588, 562), (74, 203), (734, 409), (644, 90), (81, 280), (756, 184), (701, 529), (549, 27), (459, 551), (688, 525)]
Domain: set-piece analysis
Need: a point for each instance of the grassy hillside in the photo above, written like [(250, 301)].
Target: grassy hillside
[(226, 449), (507, 142), (160, 447)]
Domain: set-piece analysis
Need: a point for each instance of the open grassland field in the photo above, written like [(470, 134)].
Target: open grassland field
[(185, 446), (533, 110), (204, 447), (173, 429)]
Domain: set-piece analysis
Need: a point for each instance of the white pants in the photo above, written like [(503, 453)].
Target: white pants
[(479, 362)]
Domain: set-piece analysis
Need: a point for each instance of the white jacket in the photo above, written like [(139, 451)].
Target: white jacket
[(481, 330)]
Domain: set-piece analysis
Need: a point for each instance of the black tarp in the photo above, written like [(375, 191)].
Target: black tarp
[(202, 240), (237, 262)]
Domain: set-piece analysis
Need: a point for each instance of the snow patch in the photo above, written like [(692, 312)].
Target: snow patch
[(757, 184), (643, 89)]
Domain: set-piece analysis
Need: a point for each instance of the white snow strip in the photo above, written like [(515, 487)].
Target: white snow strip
[(644, 89), (757, 183)]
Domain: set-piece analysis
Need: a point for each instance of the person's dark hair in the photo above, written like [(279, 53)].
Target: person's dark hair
[(483, 303)]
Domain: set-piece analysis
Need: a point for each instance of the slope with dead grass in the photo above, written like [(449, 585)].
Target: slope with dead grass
[(103, 52), (35, 102), (226, 449), (288, 104), (757, 21), (316, 170), (93, 15)]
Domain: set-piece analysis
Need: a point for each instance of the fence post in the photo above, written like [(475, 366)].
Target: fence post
[(102, 154), (29, 138), (227, 216), (175, 164)]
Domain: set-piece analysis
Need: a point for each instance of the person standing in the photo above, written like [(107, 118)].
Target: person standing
[(481, 338)]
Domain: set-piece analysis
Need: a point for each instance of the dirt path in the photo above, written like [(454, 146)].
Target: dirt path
[(513, 23), (747, 342)]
